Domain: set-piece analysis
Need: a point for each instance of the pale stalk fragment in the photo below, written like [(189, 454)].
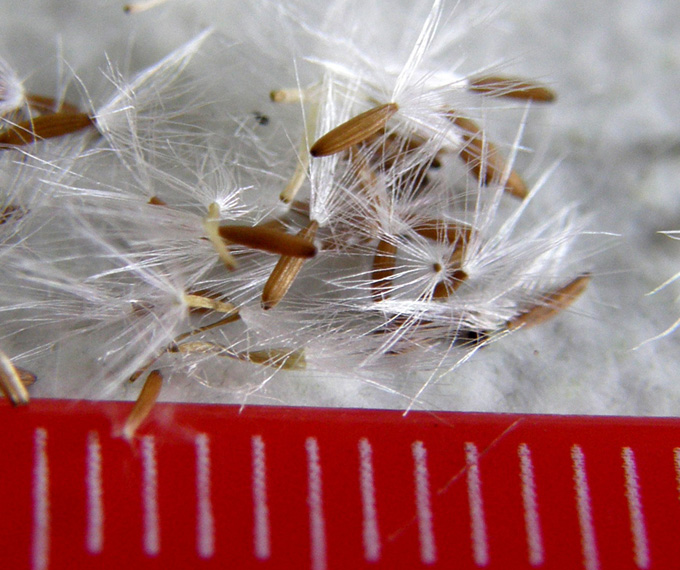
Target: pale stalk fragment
[(281, 358), (142, 6), (484, 159), (11, 381), (511, 88), (553, 303), (144, 404), (354, 131), (211, 225), (384, 261), (299, 176), (268, 239), (44, 127), (285, 272), (201, 302)]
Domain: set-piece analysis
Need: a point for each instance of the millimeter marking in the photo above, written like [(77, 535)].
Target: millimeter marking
[(637, 518), (151, 518), (370, 532), (205, 520), (94, 537), (317, 523), (261, 531), (532, 521), (584, 509), (40, 548), (480, 541), (428, 549)]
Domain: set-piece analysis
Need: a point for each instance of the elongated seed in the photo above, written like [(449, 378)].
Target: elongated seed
[(439, 231), (268, 239), (285, 272), (484, 159), (354, 131), (384, 261), (44, 104), (512, 88), (552, 304), (283, 358), (44, 127), (11, 382), (144, 404)]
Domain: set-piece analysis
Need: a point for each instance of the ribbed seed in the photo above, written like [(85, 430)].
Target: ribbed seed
[(144, 404), (552, 304), (266, 238), (44, 127), (285, 272), (484, 159), (512, 88), (354, 131)]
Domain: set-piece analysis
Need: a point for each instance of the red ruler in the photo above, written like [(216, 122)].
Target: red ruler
[(209, 487)]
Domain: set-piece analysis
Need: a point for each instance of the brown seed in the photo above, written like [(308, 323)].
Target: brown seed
[(453, 280), (11, 383), (156, 201), (512, 88), (49, 105), (484, 159), (144, 404), (552, 304), (11, 212), (285, 271), (283, 358), (44, 127), (439, 230), (384, 262), (268, 239), (354, 131)]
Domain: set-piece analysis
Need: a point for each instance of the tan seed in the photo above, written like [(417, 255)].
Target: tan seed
[(268, 239), (144, 404), (354, 131), (285, 272), (44, 127), (552, 304), (11, 383), (512, 88)]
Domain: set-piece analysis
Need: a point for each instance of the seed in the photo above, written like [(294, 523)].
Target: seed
[(11, 381), (354, 131), (50, 105), (552, 304), (498, 86), (44, 127), (484, 159), (384, 261), (268, 239), (144, 404), (285, 272)]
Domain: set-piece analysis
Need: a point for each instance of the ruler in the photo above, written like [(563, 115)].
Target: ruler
[(271, 487)]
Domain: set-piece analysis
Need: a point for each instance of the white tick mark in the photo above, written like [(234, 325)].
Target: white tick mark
[(151, 519), (94, 539), (262, 540), (317, 523), (532, 522), (480, 542), (371, 534), (637, 518), (428, 550), (41, 502), (205, 521), (584, 509)]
